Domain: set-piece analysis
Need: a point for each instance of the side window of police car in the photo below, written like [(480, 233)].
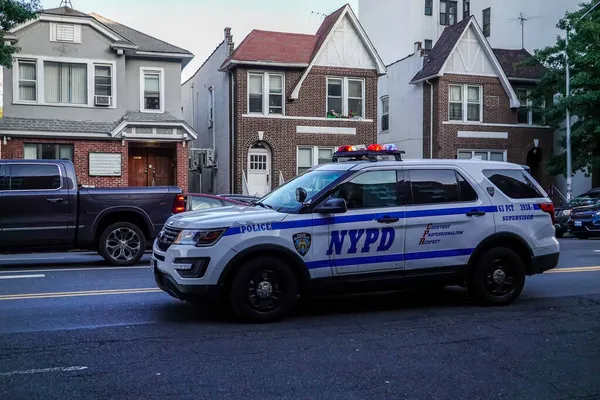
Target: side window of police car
[(436, 186), (373, 189)]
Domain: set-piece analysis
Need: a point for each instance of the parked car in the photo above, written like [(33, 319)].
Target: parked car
[(44, 209), (563, 213), (241, 197), (202, 201), (584, 222)]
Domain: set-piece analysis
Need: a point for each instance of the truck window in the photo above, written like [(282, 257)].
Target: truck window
[(34, 177), (3, 178), (514, 183)]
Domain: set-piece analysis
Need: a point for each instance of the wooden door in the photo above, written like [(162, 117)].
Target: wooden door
[(138, 166), (161, 164)]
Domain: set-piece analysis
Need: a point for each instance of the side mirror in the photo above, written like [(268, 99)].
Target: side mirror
[(301, 195), (332, 206)]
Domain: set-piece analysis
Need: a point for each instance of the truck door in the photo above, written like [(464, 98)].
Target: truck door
[(37, 207), (3, 187)]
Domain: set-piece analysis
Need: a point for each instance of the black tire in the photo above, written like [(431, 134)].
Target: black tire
[(582, 236), (485, 282), (559, 234), (244, 290), (136, 240)]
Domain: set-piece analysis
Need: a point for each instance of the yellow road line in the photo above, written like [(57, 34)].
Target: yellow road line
[(574, 269), (25, 296)]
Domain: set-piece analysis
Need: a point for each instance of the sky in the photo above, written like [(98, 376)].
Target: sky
[(197, 25)]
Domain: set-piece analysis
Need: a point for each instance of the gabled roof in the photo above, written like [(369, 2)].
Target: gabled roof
[(510, 61), (448, 42), (442, 50), (143, 41), (294, 49)]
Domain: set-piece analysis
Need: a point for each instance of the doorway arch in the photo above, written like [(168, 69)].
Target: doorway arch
[(259, 169)]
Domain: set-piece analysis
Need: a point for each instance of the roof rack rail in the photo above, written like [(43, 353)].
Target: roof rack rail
[(366, 155)]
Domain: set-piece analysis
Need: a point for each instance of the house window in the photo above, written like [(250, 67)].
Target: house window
[(487, 21), (448, 12), (65, 83), (428, 7), (345, 97), (385, 113), (102, 80), (465, 103), (47, 151), (27, 80), (273, 86), (486, 155), (428, 46), (309, 156), (529, 113), (466, 9), (153, 88)]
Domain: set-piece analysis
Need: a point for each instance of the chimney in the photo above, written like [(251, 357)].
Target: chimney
[(229, 40)]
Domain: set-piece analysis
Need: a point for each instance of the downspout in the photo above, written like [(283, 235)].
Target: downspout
[(232, 133), (214, 124), (430, 118)]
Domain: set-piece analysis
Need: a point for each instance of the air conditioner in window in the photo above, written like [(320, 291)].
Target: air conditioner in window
[(102, 100)]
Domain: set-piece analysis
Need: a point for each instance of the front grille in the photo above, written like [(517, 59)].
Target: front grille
[(167, 236), (581, 216)]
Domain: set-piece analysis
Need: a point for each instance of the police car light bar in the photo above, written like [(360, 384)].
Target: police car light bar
[(369, 153)]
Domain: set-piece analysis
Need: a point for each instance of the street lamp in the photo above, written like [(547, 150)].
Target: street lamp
[(568, 93)]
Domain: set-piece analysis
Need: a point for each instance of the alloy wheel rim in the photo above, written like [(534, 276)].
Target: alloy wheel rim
[(264, 290), (123, 244), (500, 278)]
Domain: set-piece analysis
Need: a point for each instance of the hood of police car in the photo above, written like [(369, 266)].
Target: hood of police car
[(224, 217)]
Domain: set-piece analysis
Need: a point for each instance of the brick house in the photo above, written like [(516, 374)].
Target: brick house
[(99, 93), (295, 98), (473, 100)]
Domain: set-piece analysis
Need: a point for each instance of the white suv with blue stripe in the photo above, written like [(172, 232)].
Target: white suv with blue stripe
[(362, 223)]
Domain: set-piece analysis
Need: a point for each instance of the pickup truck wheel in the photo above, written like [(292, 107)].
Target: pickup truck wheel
[(122, 243), (263, 290), (498, 277)]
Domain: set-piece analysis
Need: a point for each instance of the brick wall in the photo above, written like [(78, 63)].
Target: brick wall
[(14, 149), (280, 134), (496, 110)]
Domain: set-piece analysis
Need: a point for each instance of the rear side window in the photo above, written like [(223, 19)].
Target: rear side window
[(514, 183), (434, 186), (34, 177)]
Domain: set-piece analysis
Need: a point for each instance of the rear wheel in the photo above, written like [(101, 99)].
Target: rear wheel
[(263, 290), (498, 277), (122, 243), (582, 236)]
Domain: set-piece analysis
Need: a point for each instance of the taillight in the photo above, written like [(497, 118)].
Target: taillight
[(179, 204), (549, 208)]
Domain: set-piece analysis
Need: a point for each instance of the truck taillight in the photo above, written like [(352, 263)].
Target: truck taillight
[(179, 204), (549, 208)]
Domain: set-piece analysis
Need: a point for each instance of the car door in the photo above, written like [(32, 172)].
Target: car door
[(447, 216), (37, 207), (369, 237), (3, 187)]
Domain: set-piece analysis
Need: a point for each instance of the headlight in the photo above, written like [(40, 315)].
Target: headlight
[(598, 214), (199, 238), (567, 212)]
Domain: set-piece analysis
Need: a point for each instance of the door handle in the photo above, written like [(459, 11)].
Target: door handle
[(387, 220), (475, 213), (55, 200)]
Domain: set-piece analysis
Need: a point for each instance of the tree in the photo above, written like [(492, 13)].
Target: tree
[(13, 13), (584, 102)]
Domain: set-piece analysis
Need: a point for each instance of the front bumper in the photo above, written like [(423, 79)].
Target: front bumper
[(184, 292), (540, 264), (590, 226)]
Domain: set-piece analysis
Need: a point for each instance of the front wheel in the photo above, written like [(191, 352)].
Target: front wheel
[(498, 277), (263, 290), (122, 243)]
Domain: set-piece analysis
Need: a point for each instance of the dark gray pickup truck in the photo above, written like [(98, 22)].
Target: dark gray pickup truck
[(42, 208)]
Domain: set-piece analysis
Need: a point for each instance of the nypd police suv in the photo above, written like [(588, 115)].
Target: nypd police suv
[(364, 223)]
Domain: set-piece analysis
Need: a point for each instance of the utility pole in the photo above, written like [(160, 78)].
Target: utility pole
[(568, 112)]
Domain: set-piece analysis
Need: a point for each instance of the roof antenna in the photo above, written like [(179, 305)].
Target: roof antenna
[(66, 3), (522, 19)]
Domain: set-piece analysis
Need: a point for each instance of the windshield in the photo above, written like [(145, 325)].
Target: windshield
[(283, 198), (585, 200)]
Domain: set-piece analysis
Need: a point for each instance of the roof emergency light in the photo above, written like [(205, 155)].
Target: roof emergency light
[(367, 153)]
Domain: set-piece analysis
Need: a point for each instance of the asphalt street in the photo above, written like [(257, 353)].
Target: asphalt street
[(71, 328)]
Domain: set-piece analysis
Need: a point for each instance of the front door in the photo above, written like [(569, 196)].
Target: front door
[(151, 166), (259, 171), (370, 236), (447, 217)]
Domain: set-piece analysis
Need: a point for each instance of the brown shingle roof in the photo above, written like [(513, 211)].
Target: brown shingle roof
[(510, 60), (278, 47), (442, 49)]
